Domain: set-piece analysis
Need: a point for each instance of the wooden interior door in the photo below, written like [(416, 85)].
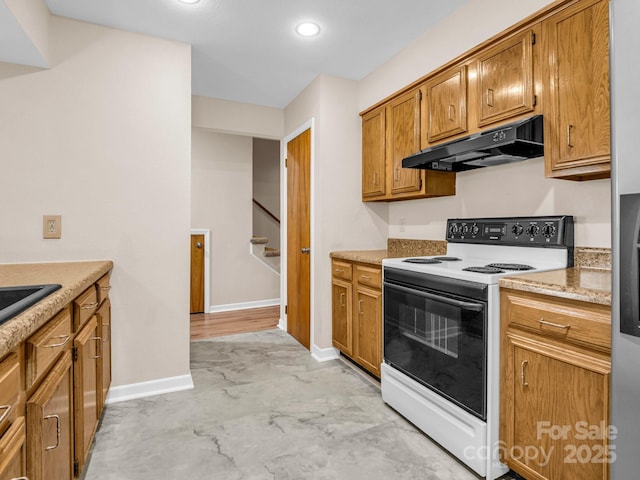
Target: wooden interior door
[(299, 237), (197, 274)]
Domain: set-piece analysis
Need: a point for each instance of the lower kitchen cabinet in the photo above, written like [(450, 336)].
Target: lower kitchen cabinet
[(555, 387), (104, 362), (357, 313), (13, 455), (87, 348), (50, 425)]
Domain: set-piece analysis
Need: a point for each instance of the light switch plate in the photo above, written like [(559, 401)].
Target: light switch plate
[(51, 226)]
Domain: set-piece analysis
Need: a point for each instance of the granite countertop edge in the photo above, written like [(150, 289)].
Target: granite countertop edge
[(371, 257), (570, 291), (25, 324)]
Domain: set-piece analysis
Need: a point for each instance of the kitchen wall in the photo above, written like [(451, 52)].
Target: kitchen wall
[(266, 189), (221, 193), (103, 138), (517, 189), (340, 221)]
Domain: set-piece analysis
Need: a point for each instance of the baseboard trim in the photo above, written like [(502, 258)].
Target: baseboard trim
[(149, 389), (244, 305), (325, 354)]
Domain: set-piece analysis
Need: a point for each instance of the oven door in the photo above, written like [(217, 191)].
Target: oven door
[(439, 339)]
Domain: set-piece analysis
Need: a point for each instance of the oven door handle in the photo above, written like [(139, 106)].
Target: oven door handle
[(474, 307)]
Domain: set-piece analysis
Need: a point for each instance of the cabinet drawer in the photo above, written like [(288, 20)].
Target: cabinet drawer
[(44, 346), (342, 270), (103, 285), (369, 276), (575, 322), (84, 306), (10, 388)]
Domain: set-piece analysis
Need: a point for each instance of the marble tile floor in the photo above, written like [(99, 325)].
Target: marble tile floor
[(263, 408)]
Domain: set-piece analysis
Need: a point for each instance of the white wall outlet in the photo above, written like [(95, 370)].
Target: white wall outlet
[(51, 226)]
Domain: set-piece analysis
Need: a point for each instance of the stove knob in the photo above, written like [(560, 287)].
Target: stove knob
[(549, 230), (465, 229), (517, 229), (453, 229), (475, 229), (533, 229)]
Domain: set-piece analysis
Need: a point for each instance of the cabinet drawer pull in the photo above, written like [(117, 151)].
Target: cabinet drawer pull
[(366, 277), (339, 270), (569, 127), (542, 321), (57, 418), (375, 178), (98, 341), (89, 306), (7, 409), (360, 312), (522, 380), (60, 344), (108, 287), (342, 299), (451, 111), (104, 340), (20, 478)]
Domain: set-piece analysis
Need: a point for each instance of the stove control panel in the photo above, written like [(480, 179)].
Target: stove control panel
[(552, 231)]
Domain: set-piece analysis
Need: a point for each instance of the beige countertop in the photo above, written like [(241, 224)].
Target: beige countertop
[(74, 277), (585, 284)]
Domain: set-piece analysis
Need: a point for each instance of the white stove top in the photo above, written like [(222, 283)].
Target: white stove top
[(541, 259)]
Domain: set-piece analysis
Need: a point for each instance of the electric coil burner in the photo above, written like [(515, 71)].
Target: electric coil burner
[(442, 328)]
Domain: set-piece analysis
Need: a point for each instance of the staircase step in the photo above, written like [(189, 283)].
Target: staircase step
[(271, 252), (259, 240)]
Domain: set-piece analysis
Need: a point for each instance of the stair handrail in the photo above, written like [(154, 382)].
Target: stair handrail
[(266, 210)]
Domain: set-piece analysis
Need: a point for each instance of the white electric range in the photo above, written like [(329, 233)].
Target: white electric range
[(442, 328)]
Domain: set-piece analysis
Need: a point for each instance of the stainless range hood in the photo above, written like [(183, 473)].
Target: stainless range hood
[(513, 142)]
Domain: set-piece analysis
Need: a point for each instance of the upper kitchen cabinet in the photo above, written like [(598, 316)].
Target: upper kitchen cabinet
[(445, 112), (373, 154), (577, 115), (390, 133), (404, 140), (505, 79)]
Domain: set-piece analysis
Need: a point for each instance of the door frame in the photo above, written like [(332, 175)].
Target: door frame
[(207, 265), (308, 125)]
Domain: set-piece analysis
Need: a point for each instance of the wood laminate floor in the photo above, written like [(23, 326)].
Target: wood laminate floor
[(210, 325)]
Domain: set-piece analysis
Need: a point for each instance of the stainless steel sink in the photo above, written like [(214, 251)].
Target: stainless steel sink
[(14, 300)]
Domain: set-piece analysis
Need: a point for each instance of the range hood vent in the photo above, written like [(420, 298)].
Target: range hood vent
[(513, 142)]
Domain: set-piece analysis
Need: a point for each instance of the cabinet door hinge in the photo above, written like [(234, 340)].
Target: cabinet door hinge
[(74, 353), (420, 184), (533, 38), (419, 95), (535, 100), (76, 469)]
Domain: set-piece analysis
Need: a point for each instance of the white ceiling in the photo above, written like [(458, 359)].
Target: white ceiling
[(247, 50)]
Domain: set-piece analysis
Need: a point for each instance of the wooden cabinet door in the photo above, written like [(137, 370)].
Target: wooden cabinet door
[(85, 373), (368, 329), (446, 105), (13, 455), (505, 79), (341, 302), (104, 361), (50, 425), (404, 140), (558, 398), (373, 154), (577, 118)]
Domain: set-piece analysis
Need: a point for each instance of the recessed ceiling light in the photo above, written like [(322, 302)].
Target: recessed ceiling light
[(189, 1), (308, 29)]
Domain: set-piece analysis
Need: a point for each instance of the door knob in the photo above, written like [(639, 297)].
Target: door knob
[(198, 245), (305, 250)]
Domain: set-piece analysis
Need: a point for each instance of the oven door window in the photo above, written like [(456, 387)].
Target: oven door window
[(440, 341)]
